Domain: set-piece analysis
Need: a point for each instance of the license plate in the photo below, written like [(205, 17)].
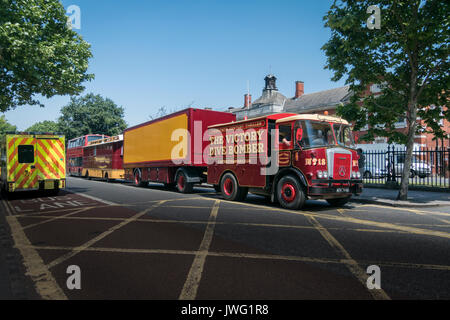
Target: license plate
[(49, 185), (343, 190)]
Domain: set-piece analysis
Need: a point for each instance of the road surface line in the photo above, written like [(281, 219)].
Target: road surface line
[(409, 209), (89, 243), (46, 286), (189, 291), (352, 265), (37, 214), (55, 218), (10, 208), (263, 225), (97, 199), (7, 210), (250, 256), (383, 225)]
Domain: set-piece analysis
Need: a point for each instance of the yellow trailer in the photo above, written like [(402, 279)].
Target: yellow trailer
[(33, 162)]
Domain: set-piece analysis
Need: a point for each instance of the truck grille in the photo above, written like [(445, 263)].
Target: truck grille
[(339, 163)]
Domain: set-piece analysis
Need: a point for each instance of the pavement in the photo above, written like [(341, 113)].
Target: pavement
[(416, 199)]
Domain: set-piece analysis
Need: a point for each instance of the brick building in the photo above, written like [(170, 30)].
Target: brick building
[(272, 101)]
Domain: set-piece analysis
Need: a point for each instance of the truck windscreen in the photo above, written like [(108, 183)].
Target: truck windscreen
[(344, 135), (315, 134)]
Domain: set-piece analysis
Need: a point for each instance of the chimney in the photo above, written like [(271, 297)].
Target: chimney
[(299, 89), (247, 100)]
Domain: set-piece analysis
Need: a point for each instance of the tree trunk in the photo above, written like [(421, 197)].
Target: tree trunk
[(403, 193), (412, 125)]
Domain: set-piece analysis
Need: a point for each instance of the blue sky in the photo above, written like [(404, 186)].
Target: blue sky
[(149, 54)]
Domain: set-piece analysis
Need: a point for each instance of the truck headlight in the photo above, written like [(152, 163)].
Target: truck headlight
[(356, 175), (319, 174)]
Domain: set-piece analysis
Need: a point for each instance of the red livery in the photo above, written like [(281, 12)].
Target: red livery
[(287, 157), (102, 158), (75, 152)]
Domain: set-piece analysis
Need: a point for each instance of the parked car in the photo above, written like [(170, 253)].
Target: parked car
[(418, 167), (372, 171)]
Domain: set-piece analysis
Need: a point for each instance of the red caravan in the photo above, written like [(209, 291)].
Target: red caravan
[(287, 157)]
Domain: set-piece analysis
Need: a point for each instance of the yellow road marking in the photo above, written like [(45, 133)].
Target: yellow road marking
[(409, 209), (352, 265), (46, 285), (189, 291), (89, 243), (383, 225), (149, 220), (54, 218), (250, 256)]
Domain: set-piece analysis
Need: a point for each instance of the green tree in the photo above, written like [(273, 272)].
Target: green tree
[(5, 127), (91, 114), (44, 126), (408, 56), (39, 53)]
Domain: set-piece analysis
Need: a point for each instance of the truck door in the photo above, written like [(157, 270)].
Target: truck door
[(22, 164), (285, 144), (51, 163)]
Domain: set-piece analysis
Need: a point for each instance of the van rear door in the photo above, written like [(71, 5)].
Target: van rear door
[(51, 161)]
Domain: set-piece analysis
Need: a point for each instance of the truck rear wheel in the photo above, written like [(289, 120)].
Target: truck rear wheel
[(230, 188), (182, 185), (338, 202), (290, 193)]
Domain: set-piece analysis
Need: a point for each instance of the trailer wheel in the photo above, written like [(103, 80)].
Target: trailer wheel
[(290, 193), (338, 202), (182, 185), (230, 188)]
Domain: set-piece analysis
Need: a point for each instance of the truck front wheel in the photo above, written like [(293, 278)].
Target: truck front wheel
[(182, 185), (230, 188), (290, 193)]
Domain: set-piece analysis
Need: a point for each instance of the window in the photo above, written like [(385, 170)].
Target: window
[(93, 138), (26, 154), (315, 134), (344, 135), (285, 136)]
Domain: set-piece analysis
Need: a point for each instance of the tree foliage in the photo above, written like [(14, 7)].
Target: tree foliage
[(5, 127), (39, 53), (44, 126), (91, 114), (408, 57)]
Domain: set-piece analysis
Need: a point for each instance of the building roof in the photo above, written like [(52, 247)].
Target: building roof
[(269, 97), (318, 100)]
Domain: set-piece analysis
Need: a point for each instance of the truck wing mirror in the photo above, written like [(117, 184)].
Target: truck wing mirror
[(298, 137)]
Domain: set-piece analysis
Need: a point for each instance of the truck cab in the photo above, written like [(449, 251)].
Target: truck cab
[(307, 156)]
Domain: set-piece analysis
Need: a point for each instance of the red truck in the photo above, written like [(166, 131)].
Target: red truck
[(170, 149), (287, 157)]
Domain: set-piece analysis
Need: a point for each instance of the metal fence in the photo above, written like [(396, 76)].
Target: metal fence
[(429, 167)]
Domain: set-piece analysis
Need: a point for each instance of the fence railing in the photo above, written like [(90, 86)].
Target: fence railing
[(429, 167)]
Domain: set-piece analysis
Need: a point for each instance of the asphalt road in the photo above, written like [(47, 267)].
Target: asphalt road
[(151, 243)]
